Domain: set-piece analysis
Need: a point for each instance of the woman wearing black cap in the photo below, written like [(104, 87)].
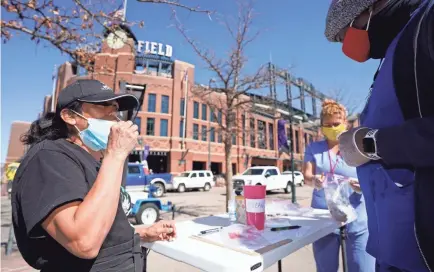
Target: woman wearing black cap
[(394, 149), (67, 215)]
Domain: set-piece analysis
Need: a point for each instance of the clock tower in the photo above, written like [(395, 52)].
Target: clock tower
[(117, 39), (116, 61)]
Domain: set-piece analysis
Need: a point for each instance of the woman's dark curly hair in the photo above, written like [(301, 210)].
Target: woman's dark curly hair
[(49, 127)]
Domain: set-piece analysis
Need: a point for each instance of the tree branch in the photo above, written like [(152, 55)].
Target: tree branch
[(75, 29), (178, 5)]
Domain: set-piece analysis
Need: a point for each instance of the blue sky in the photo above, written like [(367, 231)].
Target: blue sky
[(292, 33)]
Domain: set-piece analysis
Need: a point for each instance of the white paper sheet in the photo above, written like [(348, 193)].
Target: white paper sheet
[(244, 237)]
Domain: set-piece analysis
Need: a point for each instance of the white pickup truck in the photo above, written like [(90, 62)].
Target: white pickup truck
[(269, 176)]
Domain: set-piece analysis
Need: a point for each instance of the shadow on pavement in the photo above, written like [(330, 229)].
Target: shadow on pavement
[(197, 210)]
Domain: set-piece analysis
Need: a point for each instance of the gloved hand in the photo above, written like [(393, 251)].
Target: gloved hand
[(317, 181), (351, 146)]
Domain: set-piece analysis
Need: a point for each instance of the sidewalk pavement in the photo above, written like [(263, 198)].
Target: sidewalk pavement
[(14, 262)]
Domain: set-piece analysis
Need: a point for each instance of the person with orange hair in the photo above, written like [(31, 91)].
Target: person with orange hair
[(324, 157)]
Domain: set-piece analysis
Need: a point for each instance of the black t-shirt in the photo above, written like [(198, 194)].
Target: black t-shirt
[(52, 174)]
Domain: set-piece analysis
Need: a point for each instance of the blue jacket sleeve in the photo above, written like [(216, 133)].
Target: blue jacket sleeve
[(412, 143)]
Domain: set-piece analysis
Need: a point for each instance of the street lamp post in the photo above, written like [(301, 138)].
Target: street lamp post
[(209, 125), (290, 144)]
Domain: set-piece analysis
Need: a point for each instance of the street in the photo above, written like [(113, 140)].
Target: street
[(188, 205)]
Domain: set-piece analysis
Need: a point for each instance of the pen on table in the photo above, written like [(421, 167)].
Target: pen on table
[(285, 228), (210, 231)]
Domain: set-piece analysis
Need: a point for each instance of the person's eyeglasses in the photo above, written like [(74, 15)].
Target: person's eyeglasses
[(106, 104)]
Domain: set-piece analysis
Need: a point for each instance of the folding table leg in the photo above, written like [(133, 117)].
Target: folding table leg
[(145, 258), (173, 212), (279, 266), (343, 236), (11, 240)]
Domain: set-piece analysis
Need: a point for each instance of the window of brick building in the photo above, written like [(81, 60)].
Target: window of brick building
[(138, 122), (204, 133), (164, 104), (297, 144), (252, 133), (211, 115), (290, 138), (196, 110), (195, 131), (152, 100), (262, 135), (204, 112), (271, 136), (212, 134), (150, 126), (164, 125)]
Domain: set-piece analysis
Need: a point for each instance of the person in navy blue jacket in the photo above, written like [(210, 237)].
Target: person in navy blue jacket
[(393, 149)]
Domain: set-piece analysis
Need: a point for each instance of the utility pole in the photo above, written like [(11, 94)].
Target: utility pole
[(290, 143)]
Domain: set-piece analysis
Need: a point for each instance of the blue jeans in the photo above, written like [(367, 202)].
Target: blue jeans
[(326, 253)]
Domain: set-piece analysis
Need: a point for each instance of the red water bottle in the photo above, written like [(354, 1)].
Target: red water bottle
[(255, 205)]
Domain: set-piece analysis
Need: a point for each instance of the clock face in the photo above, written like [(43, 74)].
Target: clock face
[(117, 39)]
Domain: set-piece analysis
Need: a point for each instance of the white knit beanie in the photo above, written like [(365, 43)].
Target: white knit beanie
[(341, 13)]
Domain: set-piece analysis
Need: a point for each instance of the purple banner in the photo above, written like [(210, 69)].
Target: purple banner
[(281, 135), (146, 152)]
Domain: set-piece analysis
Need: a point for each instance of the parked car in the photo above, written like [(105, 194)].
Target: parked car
[(298, 176), (138, 181), (195, 179), (269, 176)]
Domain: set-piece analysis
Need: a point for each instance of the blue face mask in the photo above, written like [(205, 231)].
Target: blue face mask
[(95, 136)]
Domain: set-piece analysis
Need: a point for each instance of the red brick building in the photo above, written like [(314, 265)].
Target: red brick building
[(161, 118), (15, 148)]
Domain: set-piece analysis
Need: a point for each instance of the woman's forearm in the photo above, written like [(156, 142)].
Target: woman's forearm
[(308, 179), (142, 231)]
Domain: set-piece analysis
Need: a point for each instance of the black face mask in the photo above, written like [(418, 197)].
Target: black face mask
[(387, 24)]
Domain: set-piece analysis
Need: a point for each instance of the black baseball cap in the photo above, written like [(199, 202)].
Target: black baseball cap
[(94, 91)]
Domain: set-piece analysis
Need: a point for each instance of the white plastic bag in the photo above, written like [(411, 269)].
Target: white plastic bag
[(337, 192)]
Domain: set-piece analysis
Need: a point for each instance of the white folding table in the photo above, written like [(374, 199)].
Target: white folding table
[(209, 257)]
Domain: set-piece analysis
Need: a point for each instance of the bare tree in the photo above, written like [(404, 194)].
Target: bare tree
[(345, 99), (231, 83), (76, 29)]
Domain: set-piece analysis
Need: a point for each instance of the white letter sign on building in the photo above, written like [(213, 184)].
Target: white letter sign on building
[(154, 48)]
